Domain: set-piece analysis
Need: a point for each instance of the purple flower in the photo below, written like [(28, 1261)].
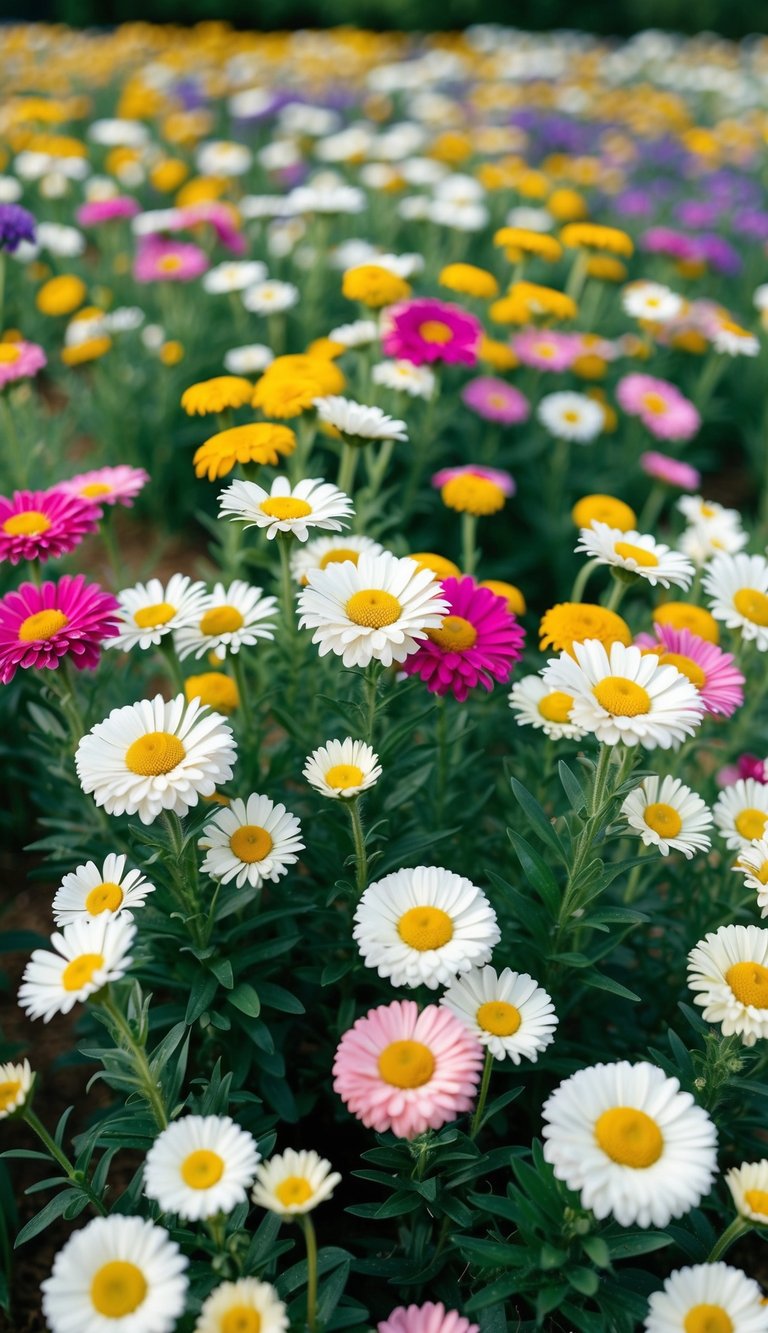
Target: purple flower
[(17, 224)]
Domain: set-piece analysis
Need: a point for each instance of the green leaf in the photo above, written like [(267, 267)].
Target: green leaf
[(597, 1250), (572, 787), (584, 1280), (538, 819), (55, 1207), (222, 970), (204, 988), (631, 1243), (601, 982), (537, 872), (277, 997), (246, 999)]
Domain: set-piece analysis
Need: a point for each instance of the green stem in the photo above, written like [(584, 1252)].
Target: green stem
[(62, 684), (241, 680), (371, 698), (738, 1228), (107, 534), (614, 597), (652, 507), (149, 1088), (577, 276), (347, 468), (310, 1240), (172, 663), (468, 540), (483, 1097), (582, 579), (284, 540), (358, 833), (59, 1156)]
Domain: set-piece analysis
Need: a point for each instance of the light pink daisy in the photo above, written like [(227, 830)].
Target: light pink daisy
[(428, 1318), (478, 643), (428, 330), (670, 470), (20, 361), (407, 1071), (546, 349), (504, 480), (713, 672), (107, 485), (661, 407), (40, 525), (220, 218), (95, 211), (160, 260), (40, 625), (495, 400)]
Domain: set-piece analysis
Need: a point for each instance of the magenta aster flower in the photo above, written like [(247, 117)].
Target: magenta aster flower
[(670, 470), (546, 349), (107, 485), (427, 330), (713, 672), (96, 211), (40, 625), (20, 361), (495, 400), (407, 1071), (218, 216), (674, 244), (159, 260), (746, 766), (478, 643), (41, 525), (663, 410), (428, 1318)]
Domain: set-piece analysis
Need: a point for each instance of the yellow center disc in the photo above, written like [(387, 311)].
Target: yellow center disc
[(250, 843), (221, 620), (556, 706), (752, 605), (622, 697), (106, 897), (285, 507), (151, 617), (406, 1064), (118, 1288), (499, 1018), (455, 635), (344, 775), (425, 928), (81, 971), (751, 823), (749, 983), (30, 523), (627, 551), (435, 331), (629, 1137), (663, 819), (42, 625), (240, 1319), (155, 753), (8, 1093), (202, 1169), (294, 1190), (373, 608), (707, 1319)]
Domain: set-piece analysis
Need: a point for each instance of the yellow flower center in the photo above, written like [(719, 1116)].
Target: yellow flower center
[(547, 350), (749, 602), (425, 928), (42, 625), (338, 556), (686, 665), (751, 823), (118, 1288), (30, 523), (499, 1018), (654, 403), (571, 415), (95, 488), (169, 264), (344, 775), (284, 507), (406, 1064), (663, 819), (155, 753), (749, 983), (241, 1319), (106, 897), (150, 617), (629, 1137), (556, 706), (761, 875), (627, 551), (473, 494), (373, 608), (455, 635), (81, 970), (622, 697), (294, 1189), (9, 354), (250, 843), (221, 620), (707, 1319), (9, 1092), (202, 1168), (757, 1200), (435, 331)]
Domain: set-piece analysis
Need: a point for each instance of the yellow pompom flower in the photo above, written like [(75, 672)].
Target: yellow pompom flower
[(468, 280), (470, 493), (592, 236), (567, 205), (214, 689), (606, 268), (201, 190), (374, 286), (509, 310), (291, 384), (441, 567), (259, 442), (497, 354), (604, 509), (327, 348), (574, 622), (527, 242), (540, 301), (62, 295), (168, 175), (172, 352), (510, 592), (692, 341), (89, 350), (216, 395), (682, 615)]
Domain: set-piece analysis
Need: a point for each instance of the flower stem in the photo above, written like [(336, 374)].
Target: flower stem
[(59, 1156), (358, 833), (582, 579), (371, 698), (468, 539), (286, 582), (347, 468), (482, 1098), (614, 597), (310, 1240), (149, 1087), (172, 663), (738, 1228)]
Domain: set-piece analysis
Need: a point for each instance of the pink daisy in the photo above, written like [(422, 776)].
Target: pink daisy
[(667, 241), (40, 525), (478, 643), (546, 349), (160, 260), (96, 211), (428, 1318), (504, 480), (663, 410), (713, 672), (407, 1071), (670, 470), (107, 485), (20, 361), (40, 625), (219, 217), (428, 330), (495, 400), (746, 766)]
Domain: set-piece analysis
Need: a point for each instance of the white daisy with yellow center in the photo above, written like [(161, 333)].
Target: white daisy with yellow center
[(15, 1083), (728, 973), (270, 297), (509, 1013), (651, 301), (311, 503), (752, 863), (424, 926), (737, 586), (116, 1273), (622, 694), (379, 609), (294, 1182), (201, 1165), (85, 956), (245, 1306), (731, 339), (633, 1145), (668, 815), (571, 416), (229, 619), (404, 377), (342, 769), (324, 551), (89, 891), (536, 705), (155, 755), (741, 813), (711, 529), (357, 422), (748, 1184), (637, 552), (151, 610), (707, 1298), (250, 842)]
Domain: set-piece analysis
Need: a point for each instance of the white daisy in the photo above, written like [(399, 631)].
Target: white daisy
[(149, 611), (89, 892), (222, 157), (311, 503), (15, 1083), (752, 863), (359, 333), (155, 755), (251, 841), (234, 276), (378, 609), (728, 971), (508, 1012), (712, 530), (630, 1142), (200, 1165), (668, 815), (404, 377), (270, 297), (323, 551), (536, 705), (637, 552), (250, 359), (423, 926), (359, 423), (732, 340), (707, 1298), (571, 416), (119, 1273), (738, 588), (230, 619), (748, 1184), (294, 1182), (623, 694), (88, 954), (651, 301), (342, 769), (741, 812), (245, 1306)]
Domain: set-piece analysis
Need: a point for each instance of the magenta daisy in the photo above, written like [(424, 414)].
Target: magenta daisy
[(168, 261), (546, 349), (41, 525), (661, 407), (427, 330), (430, 1318), (107, 485), (20, 361), (406, 1070), (95, 211), (713, 672), (495, 400), (41, 624), (670, 470), (478, 643)]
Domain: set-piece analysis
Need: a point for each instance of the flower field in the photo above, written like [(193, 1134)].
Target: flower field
[(383, 621)]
